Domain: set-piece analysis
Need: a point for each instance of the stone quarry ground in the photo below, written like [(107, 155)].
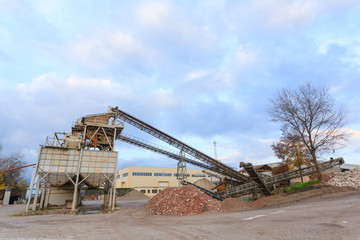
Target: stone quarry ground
[(316, 212)]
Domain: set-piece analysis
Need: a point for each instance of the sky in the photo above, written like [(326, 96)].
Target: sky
[(201, 71)]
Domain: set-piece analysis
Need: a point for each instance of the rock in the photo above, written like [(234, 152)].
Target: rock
[(347, 179)]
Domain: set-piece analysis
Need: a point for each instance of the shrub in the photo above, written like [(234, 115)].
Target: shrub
[(301, 185)]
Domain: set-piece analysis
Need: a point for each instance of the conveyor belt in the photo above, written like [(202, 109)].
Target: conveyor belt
[(210, 193), (257, 178), (179, 145), (248, 188), (143, 144)]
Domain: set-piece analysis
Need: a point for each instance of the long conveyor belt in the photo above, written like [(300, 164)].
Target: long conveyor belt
[(137, 142), (179, 145), (208, 192), (248, 188)]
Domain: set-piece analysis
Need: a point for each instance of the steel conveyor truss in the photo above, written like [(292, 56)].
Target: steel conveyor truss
[(152, 147), (248, 188), (208, 192), (220, 167)]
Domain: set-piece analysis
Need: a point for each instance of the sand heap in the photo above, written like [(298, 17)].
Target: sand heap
[(204, 183), (178, 201), (347, 179), (133, 195)]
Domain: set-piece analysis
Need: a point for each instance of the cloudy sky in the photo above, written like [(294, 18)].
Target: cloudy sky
[(201, 71)]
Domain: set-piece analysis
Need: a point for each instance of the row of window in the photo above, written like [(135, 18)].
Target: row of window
[(150, 190), (142, 174), (148, 174), (162, 174)]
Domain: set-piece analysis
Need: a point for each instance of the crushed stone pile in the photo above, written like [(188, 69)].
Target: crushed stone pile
[(347, 179), (204, 183), (179, 201), (134, 195)]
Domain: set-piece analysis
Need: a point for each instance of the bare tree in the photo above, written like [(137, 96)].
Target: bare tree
[(310, 113), (10, 162)]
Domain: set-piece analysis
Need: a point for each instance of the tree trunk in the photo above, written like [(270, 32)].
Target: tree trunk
[(302, 180), (316, 165)]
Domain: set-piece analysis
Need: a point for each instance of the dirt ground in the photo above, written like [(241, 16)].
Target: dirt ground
[(280, 218)]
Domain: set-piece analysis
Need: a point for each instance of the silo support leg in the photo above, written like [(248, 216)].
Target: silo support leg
[(36, 195)]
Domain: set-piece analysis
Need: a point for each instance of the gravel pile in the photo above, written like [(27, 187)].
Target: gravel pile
[(179, 201), (204, 183), (133, 195), (347, 179)]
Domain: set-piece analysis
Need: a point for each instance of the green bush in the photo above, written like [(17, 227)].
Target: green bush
[(301, 185)]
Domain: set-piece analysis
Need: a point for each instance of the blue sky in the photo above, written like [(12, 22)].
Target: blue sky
[(198, 70)]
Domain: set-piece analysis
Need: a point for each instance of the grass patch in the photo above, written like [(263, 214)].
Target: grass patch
[(301, 185)]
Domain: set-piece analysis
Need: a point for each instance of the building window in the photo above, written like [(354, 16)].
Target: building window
[(154, 191), (198, 175), (142, 174), (143, 191), (162, 174), (125, 174), (148, 190), (163, 183), (176, 175)]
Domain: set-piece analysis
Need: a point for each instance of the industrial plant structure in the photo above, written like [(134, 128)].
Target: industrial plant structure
[(86, 158)]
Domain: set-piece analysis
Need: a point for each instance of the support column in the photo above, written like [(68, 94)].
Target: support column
[(114, 198), (33, 180), (76, 195), (42, 196), (47, 197), (36, 194), (110, 198)]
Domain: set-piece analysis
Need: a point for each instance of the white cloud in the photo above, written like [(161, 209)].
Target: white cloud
[(284, 13), (87, 82), (245, 57), (154, 13), (290, 14), (196, 74), (105, 48), (231, 159), (52, 82)]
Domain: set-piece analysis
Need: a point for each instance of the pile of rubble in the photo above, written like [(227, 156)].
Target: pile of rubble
[(179, 201), (347, 179)]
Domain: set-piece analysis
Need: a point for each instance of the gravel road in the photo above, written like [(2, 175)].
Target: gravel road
[(332, 217)]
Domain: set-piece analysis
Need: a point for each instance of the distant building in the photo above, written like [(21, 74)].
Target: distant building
[(151, 180), (347, 166)]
